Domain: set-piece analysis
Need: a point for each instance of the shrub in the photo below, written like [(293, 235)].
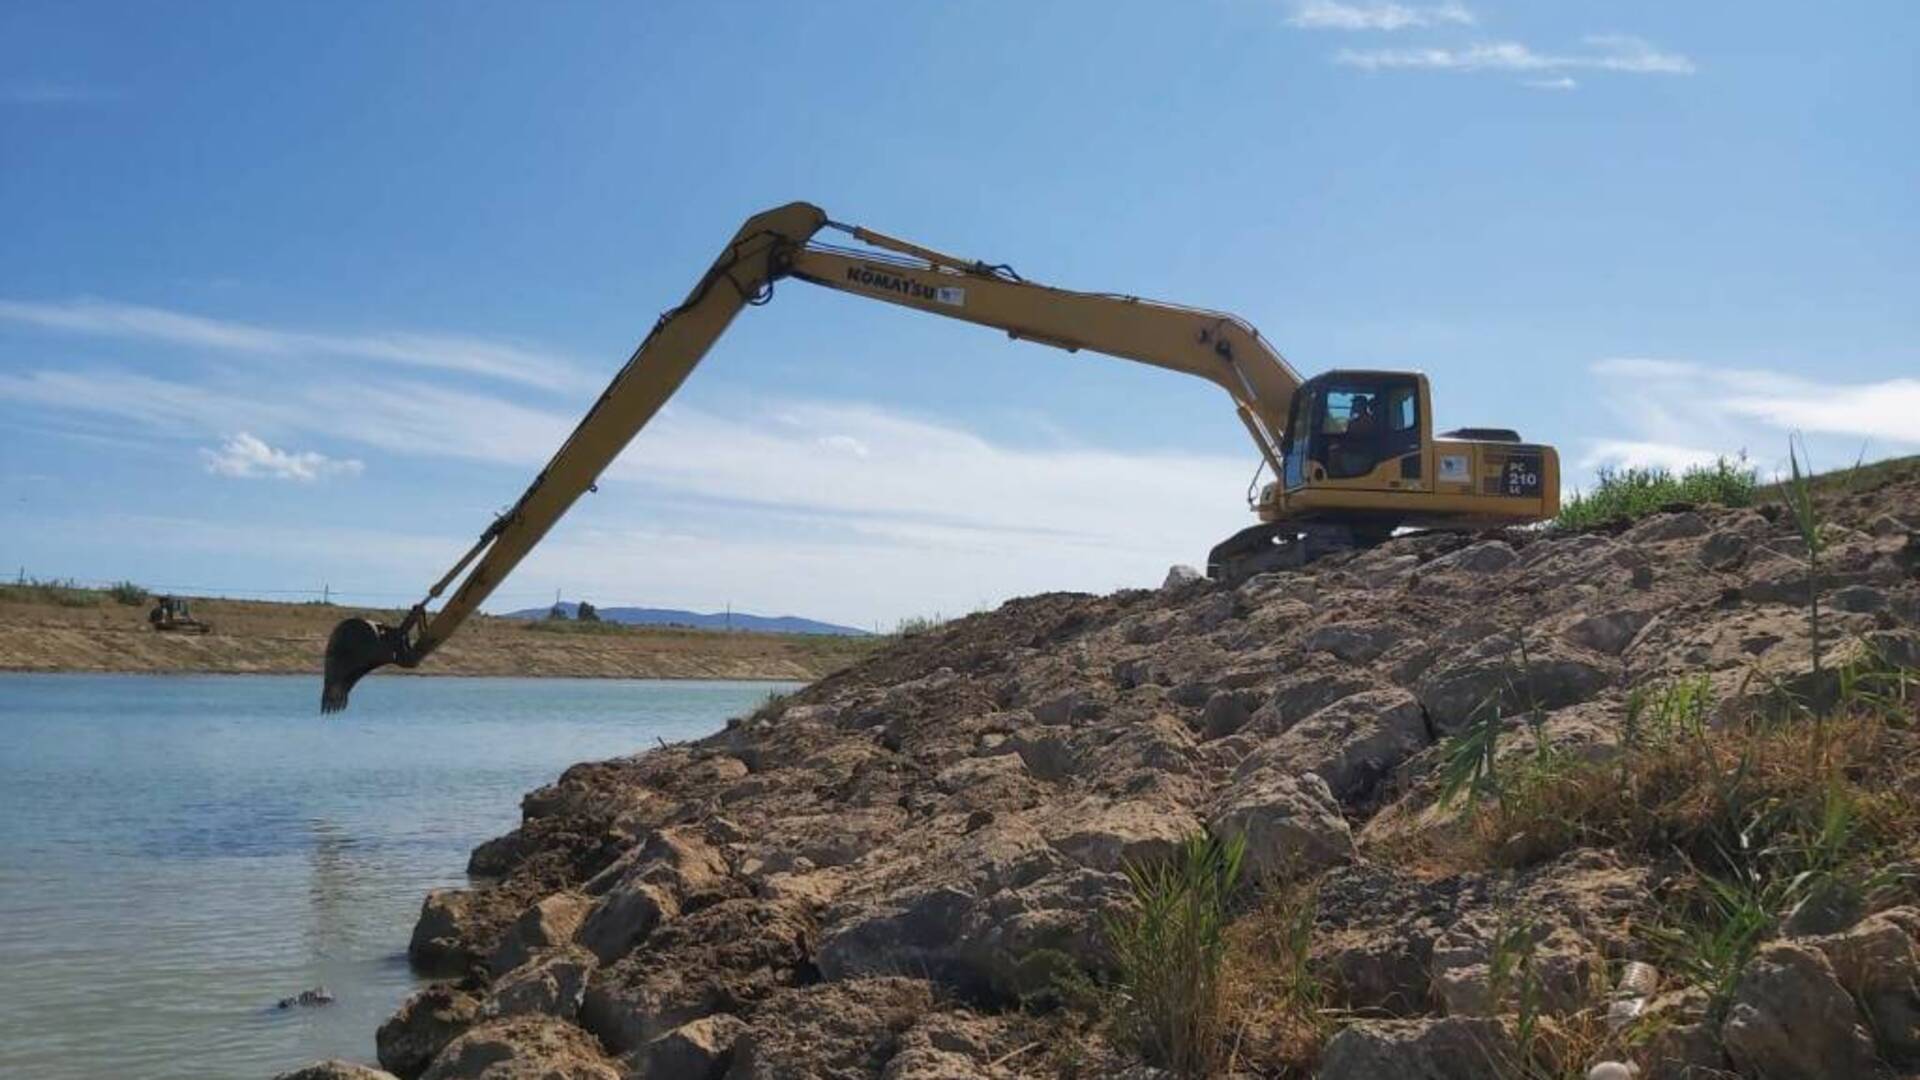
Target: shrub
[(915, 625), (1629, 494), (126, 592), (1168, 946)]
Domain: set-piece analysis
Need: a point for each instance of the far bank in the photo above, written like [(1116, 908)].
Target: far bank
[(51, 628)]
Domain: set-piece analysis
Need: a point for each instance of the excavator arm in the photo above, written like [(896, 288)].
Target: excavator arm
[(779, 244)]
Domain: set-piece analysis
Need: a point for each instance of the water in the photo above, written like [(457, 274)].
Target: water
[(177, 853)]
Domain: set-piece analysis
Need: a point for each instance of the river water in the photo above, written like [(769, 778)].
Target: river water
[(177, 853)]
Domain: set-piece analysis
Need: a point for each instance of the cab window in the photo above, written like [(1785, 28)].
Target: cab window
[(1361, 424)]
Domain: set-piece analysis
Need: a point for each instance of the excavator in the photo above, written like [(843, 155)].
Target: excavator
[(1352, 452)]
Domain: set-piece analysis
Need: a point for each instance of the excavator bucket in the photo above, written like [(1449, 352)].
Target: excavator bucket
[(356, 647)]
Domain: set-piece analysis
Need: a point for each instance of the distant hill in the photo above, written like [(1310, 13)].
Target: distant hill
[(718, 620)]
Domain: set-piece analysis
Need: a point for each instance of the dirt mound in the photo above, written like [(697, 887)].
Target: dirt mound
[(889, 873)]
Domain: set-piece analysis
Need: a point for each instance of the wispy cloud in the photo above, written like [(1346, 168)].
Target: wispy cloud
[(246, 457), (49, 92), (1334, 15), (453, 353), (1614, 52), (1564, 82), (840, 466), (1676, 413)]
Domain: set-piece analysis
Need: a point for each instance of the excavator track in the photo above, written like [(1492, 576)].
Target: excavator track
[(1267, 547)]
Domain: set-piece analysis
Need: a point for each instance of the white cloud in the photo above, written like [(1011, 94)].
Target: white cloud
[(1333, 15), (246, 457), (1676, 413), (836, 509), (1617, 53), (1564, 82), (468, 355), (1629, 454)]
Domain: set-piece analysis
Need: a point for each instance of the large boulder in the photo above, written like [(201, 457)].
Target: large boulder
[(1453, 695), (550, 984), (696, 1050), (1351, 744), (523, 1048), (1792, 1020), (1111, 836), (443, 936), (833, 1030), (725, 957), (1454, 1048), (335, 1069), (423, 1025), (550, 922), (1877, 962), (1291, 823)]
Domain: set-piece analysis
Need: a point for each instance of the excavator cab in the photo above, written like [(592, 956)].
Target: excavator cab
[(1359, 429), (1359, 459)]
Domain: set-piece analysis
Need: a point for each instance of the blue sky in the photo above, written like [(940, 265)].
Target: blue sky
[(294, 295)]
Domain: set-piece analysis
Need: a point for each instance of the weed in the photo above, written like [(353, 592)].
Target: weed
[(126, 592), (1469, 761), (59, 593), (1277, 1015), (915, 625), (1708, 938), (1168, 946), (1801, 507), (1630, 494)]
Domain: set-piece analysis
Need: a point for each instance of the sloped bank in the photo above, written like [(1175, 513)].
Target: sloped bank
[(885, 874)]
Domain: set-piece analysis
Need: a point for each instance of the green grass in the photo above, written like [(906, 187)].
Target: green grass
[(1169, 945), (1630, 494), (61, 593), (127, 593)]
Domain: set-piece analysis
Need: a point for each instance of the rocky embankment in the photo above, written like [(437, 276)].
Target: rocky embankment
[(887, 874)]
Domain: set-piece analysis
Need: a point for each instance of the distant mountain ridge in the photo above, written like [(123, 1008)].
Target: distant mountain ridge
[(717, 620)]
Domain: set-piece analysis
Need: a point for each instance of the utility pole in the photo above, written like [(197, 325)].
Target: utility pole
[(326, 594), (729, 616)]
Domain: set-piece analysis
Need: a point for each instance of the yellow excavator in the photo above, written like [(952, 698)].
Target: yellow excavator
[(1353, 453)]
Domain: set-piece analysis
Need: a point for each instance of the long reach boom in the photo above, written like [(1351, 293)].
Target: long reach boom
[(780, 244)]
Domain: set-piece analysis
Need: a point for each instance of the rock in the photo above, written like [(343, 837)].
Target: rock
[(1682, 1052), (523, 1048), (335, 1069), (1019, 941), (1608, 633), (624, 918), (955, 1045), (1180, 574), (1790, 1019), (1226, 712), (697, 1050), (1724, 550), (1485, 557), (1455, 1048), (316, 997), (1121, 834), (729, 956), (1565, 968), (1454, 695), (832, 1030), (1356, 643), (443, 935), (1860, 598), (1351, 744), (1292, 824), (1660, 528), (423, 1025), (551, 984), (550, 922), (1876, 961)]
